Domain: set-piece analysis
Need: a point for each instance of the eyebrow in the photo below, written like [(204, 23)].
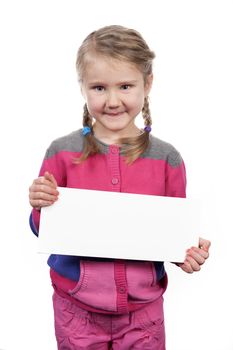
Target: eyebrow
[(123, 82)]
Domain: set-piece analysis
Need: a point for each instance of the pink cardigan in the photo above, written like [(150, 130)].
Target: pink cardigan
[(107, 285)]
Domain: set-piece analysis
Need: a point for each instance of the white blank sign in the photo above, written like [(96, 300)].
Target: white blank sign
[(119, 225)]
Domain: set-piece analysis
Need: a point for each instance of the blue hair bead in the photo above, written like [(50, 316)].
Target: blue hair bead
[(147, 129), (86, 130)]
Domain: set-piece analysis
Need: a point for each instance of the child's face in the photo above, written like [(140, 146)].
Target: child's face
[(114, 92)]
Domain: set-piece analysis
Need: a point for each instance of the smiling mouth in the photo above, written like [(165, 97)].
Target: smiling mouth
[(114, 114)]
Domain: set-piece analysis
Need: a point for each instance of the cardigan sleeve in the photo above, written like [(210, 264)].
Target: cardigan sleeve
[(53, 163), (175, 176)]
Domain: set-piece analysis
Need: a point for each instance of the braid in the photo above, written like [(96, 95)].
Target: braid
[(136, 146), (87, 119), (90, 146), (146, 112)]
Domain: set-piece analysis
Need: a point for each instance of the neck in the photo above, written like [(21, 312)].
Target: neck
[(113, 137)]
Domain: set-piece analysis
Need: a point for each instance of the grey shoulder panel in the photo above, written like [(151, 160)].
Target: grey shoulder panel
[(159, 149), (72, 142)]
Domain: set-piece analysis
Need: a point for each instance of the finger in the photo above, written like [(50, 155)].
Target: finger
[(193, 263), (41, 184), (186, 267), (198, 254), (43, 192), (44, 198), (39, 203), (46, 194)]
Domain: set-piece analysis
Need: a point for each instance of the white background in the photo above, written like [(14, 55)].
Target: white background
[(191, 104)]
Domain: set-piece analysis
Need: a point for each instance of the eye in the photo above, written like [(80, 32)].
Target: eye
[(125, 87), (98, 88)]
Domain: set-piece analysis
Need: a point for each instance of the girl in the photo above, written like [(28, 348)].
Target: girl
[(109, 303)]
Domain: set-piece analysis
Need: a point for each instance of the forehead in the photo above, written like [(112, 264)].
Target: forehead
[(107, 68)]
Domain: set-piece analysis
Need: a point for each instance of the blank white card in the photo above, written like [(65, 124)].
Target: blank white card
[(119, 225)]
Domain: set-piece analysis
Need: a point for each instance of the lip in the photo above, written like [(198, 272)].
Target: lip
[(114, 114)]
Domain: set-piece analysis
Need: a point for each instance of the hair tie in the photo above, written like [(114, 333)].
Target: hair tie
[(147, 129), (86, 130)]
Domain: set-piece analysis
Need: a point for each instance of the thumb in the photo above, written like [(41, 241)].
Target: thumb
[(48, 176), (204, 244)]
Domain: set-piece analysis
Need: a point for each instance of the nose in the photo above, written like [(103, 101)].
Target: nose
[(113, 100)]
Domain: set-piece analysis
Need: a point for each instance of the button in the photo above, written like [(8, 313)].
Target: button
[(114, 149), (121, 290), (115, 181)]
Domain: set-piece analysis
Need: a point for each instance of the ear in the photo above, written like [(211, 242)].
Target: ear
[(148, 84)]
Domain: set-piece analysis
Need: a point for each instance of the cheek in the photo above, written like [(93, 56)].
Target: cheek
[(136, 101), (94, 104)]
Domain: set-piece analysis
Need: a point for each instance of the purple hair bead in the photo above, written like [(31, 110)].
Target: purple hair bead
[(147, 129)]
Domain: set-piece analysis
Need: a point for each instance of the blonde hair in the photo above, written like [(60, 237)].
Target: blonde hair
[(117, 42)]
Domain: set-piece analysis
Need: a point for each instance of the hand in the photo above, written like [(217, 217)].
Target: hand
[(43, 191), (196, 256)]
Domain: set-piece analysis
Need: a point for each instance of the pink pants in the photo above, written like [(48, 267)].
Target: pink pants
[(77, 328)]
